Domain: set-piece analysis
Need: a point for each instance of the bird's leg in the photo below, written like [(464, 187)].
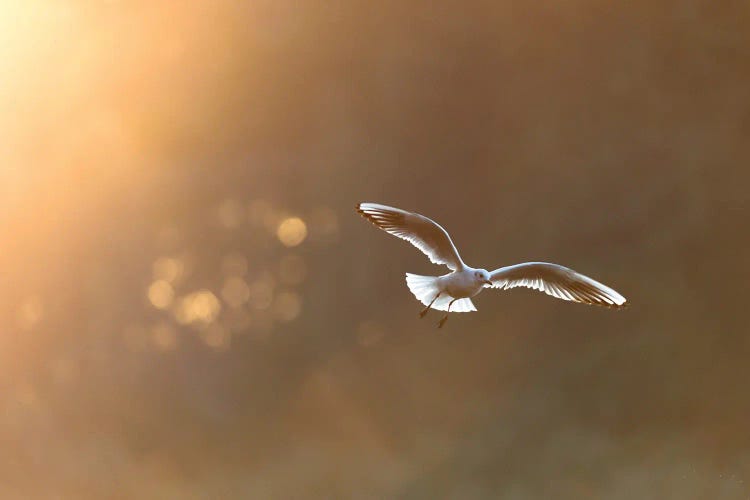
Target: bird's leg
[(424, 311), (445, 318)]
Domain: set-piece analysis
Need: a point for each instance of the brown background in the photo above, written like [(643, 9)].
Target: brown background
[(609, 137)]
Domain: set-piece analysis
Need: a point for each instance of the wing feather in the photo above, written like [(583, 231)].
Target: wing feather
[(557, 281), (425, 234)]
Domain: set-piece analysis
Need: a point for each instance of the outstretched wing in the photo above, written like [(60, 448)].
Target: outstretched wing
[(423, 233), (557, 281)]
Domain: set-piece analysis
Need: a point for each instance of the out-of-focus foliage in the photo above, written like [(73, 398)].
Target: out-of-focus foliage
[(191, 308)]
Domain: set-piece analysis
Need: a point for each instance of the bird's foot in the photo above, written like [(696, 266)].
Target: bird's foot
[(442, 321)]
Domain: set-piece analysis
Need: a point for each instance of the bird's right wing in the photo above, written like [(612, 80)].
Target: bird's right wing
[(557, 281), (423, 233)]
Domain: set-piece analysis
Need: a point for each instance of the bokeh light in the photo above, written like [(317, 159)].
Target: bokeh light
[(201, 306), (292, 231), (160, 294), (168, 269), (191, 308)]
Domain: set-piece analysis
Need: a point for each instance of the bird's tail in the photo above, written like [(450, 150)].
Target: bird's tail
[(425, 288)]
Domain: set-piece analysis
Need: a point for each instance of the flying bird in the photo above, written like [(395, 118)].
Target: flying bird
[(452, 292)]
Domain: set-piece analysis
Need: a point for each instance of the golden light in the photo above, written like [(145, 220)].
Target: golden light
[(198, 307), (160, 294), (287, 306), (169, 269), (292, 231), (28, 28)]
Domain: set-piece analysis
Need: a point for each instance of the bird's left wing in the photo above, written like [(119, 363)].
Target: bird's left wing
[(423, 233), (557, 281)]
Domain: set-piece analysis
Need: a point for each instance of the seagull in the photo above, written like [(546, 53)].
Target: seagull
[(452, 292)]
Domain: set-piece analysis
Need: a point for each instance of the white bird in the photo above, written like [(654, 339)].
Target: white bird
[(456, 288)]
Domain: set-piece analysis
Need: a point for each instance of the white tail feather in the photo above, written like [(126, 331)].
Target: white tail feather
[(425, 289)]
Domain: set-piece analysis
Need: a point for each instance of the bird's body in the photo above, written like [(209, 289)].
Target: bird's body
[(452, 292), (463, 283)]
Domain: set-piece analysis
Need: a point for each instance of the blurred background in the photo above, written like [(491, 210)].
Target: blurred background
[(191, 308)]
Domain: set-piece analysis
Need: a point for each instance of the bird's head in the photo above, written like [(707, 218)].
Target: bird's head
[(482, 276)]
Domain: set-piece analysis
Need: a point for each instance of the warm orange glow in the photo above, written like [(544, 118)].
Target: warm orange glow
[(292, 231), (198, 307), (192, 308), (168, 269), (160, 294)]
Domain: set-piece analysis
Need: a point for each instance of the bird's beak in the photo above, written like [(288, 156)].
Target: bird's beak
[(487, 282)]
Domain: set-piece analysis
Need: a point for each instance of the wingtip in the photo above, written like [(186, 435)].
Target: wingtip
[(623, 302), (360, 210), (623, 305), (359, 207)]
